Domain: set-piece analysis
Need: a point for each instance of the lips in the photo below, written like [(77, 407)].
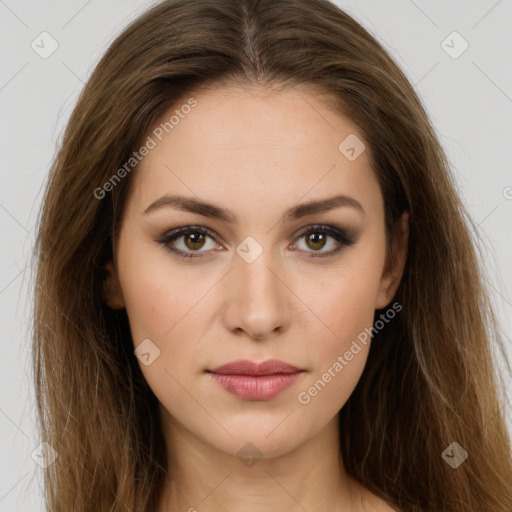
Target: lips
[(255, 381), (246, 367)]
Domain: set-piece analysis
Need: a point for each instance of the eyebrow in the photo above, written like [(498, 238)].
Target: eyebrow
[(193, 205)]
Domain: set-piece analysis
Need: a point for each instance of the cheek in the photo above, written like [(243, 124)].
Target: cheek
[(345, 306), (339, 359), (168, 312), (156, 291), (163, 304)]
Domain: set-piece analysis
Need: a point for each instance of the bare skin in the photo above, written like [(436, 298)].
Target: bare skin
[(257, 153)]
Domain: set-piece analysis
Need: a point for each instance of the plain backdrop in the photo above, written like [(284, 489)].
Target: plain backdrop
[(464, 80)]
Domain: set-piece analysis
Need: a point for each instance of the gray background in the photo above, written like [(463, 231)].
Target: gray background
[(469, 99)]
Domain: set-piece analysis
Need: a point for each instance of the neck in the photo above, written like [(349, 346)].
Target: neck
[(202, 477)]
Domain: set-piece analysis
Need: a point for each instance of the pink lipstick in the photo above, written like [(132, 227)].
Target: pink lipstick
[(256, 381)]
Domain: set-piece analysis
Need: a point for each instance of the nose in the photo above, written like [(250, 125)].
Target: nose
[(256, 299)]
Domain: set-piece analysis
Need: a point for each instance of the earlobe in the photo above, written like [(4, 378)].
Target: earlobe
[(112, 288), (395, 264)]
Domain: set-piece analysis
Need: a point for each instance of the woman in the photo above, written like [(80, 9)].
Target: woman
[(256, 285)]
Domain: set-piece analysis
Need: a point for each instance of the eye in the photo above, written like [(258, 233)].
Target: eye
[(317, 237), (193, 239)]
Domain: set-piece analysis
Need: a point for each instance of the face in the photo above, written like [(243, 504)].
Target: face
[(256, 275)]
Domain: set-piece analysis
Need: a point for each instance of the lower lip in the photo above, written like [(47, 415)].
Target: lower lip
[(262, 387)]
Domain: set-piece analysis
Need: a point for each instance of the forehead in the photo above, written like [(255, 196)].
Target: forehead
[(246, 145)]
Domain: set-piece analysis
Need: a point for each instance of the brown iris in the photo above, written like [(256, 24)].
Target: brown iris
[(316, 238), (197, 240)]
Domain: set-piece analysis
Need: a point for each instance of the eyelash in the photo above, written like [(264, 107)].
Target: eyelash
[(340, 236)]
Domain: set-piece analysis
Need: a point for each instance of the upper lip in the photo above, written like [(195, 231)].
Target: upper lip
[(246, 367)]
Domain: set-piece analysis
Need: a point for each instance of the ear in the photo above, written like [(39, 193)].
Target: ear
[(112, 288), (395, 263)]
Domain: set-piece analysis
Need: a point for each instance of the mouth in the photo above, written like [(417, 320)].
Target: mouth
[(250, 380)]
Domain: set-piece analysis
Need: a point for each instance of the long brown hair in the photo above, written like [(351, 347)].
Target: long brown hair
[(430, 376)]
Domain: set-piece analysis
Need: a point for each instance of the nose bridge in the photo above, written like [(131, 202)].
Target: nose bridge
[(257, 301), (258, 278)]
